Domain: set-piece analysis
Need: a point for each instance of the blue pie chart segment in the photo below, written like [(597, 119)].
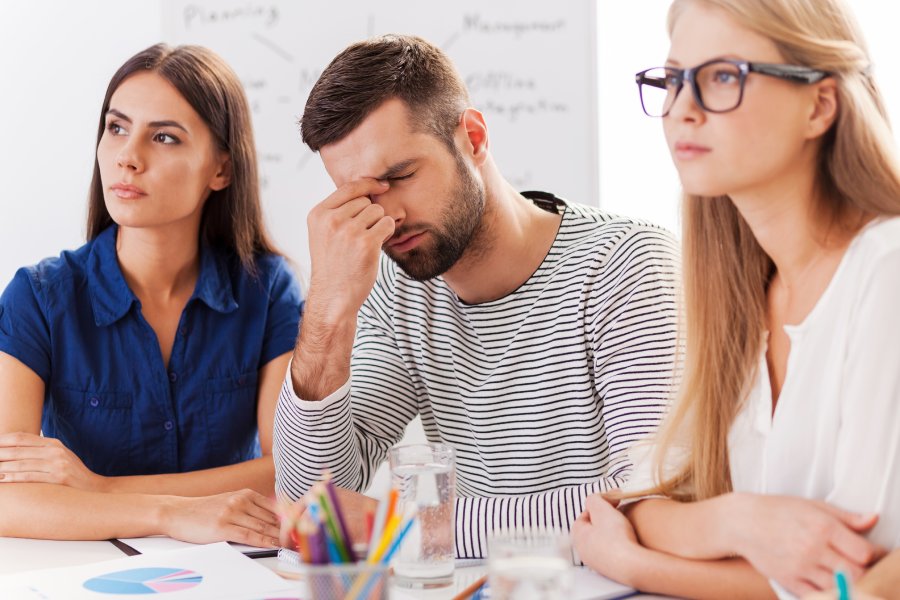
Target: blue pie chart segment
[(149, 580)]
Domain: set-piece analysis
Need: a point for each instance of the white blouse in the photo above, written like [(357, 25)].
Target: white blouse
[(835, 433)]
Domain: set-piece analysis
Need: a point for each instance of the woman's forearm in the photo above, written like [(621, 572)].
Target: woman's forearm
[(57, 512), (883, 580), (696, 530), (257, 474), (733, 578)]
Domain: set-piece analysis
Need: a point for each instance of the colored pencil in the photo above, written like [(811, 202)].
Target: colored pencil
[(472, 589), (379, 522), (339, 515), (843, 588), (332, 528)]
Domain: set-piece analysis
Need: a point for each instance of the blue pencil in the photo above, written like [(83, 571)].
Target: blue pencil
[(388, 555), (397, 540)]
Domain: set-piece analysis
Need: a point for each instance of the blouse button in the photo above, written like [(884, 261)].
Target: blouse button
[(95, 401), (173, 376), (169, 425)]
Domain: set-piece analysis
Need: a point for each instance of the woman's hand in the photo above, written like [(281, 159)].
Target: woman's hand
[(800, 543), (25, 457), (244, 516), (605, 540)]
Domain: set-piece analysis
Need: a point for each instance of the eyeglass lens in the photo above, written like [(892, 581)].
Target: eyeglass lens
[(718, 87)]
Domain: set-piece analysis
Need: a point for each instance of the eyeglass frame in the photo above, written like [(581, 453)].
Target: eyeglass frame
[(794, 73)]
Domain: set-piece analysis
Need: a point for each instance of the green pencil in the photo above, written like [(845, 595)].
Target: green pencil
[(333, 528)]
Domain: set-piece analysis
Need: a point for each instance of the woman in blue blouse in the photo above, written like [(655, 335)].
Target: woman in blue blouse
[(151, 357)]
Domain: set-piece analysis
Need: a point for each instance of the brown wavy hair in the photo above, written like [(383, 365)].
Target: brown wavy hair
[(232, 217)]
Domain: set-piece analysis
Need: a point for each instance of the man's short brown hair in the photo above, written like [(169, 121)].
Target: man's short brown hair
[(366, 74)]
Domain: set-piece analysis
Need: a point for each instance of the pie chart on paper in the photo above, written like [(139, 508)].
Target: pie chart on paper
[(150, 580)]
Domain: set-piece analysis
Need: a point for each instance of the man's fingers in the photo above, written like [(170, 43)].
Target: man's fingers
[(351, 209), (355, 189), (383, 229)]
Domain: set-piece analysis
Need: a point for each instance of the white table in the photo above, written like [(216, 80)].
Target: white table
[(17, 555)]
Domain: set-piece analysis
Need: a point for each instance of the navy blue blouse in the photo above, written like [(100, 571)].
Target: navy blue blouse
[(109, 398)]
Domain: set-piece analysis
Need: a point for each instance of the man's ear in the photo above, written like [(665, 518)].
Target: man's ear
[(472, 124), (824, 108), (222, 178)]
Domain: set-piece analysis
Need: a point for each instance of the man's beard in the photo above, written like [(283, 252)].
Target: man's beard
[(460, 225)]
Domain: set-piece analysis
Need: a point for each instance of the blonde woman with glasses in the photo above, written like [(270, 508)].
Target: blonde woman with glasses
[(779, 464)]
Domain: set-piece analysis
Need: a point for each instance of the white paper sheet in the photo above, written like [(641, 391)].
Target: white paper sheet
[(202, 572), (590, 585)]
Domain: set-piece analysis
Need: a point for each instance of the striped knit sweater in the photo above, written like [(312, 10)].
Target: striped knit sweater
[(541, 392)]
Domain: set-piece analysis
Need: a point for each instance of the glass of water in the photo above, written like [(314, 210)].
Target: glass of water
[(530, 565), (425, 476)]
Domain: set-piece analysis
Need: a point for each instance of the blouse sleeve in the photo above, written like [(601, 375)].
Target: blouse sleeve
[(285, 310), (24, 332), (867, 458)]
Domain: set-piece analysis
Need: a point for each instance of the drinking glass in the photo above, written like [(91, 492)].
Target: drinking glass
[(425, 477), (530, 565)]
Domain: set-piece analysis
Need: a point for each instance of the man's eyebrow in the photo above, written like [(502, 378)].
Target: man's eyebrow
[(153, 124), (396, 169)]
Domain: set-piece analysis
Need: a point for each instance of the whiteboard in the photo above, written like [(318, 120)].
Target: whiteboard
[(529, 66)]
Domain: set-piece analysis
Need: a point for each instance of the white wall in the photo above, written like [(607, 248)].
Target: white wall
[(636, 175), (56, 58), (54, 73)]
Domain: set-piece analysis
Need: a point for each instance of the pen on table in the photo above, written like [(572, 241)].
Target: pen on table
[(472, 589), (843, 588)]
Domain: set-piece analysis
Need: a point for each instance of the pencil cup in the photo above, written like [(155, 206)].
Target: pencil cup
[(347, 581)]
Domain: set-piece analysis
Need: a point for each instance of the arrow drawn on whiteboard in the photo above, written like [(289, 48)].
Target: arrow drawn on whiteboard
[(273, 47), (305, 160), (450, 41)]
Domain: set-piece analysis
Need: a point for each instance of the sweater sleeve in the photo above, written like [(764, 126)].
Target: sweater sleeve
[(632, 325), (350, 431)]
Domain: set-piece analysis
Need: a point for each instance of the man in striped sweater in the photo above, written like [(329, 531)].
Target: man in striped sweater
[(535, 336)]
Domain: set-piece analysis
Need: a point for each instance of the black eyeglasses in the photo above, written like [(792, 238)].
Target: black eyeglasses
[(718, 85)]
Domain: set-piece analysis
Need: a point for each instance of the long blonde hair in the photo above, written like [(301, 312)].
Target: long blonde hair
[(726, 272)]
